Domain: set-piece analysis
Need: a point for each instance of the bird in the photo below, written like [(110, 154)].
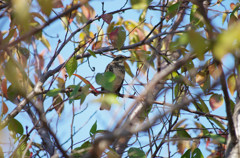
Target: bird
[(116, 67)]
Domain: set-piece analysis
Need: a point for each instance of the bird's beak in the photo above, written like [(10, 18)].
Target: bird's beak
[(127, 58)]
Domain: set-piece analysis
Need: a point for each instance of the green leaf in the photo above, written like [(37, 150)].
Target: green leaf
[(117, 36), (182, 133), (93, 130), (140, 4), (84, 148), (197, 153), (75, 93), (92, 53), (217, 138), (12, 93), (15, 126), (217, 122), (71, 66), (194, 17), (198, 43), (172, 10), (187, 154), (106, 80), (53, 92), (136, 153)]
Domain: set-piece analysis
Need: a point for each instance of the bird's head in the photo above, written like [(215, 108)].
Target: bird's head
[(120, 58)]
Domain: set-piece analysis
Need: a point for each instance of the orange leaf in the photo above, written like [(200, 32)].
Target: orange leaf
[(96, 45), (201, 78), (214, 71), (216, 100), (4, 87), (232, 6), (4, 108), (86, 82), (61, 60)]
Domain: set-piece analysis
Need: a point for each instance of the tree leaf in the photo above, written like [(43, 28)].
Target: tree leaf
[(227, 41), (4, 108), (117, 36), (58, 104), (93, 129), (136, 153), (140, 4), (107, 18), (15, 126), (53, 92), (231, 81), (197, 153), (86, 82), (46, 6), (46, 42), (71, 66), (216, 100), (106, 80), (4, 87), (187, 154), (182, 133), (198, 43)]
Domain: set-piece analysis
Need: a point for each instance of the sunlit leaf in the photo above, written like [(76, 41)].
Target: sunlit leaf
[(46, 42), (231, 81), (21, 13), (215, 101), (224, 16), (228, 41), (106, 80), (140, 4), (71, 66)]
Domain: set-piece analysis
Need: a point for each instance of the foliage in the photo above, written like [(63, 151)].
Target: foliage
[(181, 90)]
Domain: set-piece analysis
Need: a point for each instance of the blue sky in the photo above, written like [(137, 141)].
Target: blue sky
[(86, 119)]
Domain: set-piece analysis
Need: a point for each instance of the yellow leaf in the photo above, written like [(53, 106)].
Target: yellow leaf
[(231, 81)]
